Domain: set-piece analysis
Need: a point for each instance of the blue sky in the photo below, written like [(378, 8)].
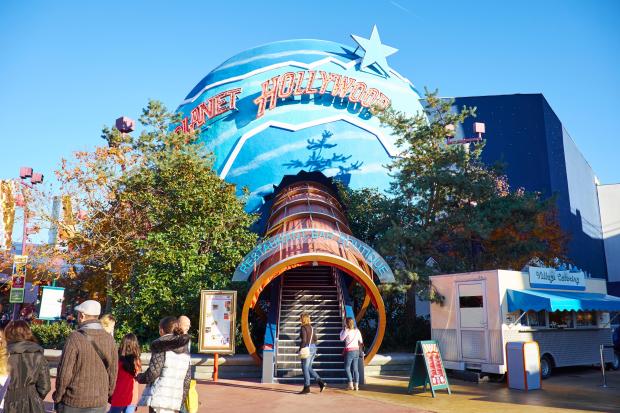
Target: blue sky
[(68, 67)]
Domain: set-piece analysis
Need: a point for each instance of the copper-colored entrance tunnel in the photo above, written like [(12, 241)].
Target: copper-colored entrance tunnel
[(307, 234)]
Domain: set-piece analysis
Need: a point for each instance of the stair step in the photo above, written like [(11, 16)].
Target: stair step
[(331, 373), (315, 323)]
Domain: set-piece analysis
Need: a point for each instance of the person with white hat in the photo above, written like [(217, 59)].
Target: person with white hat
[(88, 365)]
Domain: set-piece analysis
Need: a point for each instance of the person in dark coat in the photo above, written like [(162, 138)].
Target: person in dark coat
[(28, 371)]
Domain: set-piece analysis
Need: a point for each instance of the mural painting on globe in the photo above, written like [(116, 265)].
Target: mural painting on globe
[(298, 105)]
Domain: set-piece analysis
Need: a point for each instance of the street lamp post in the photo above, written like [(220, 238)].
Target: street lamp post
[(25, 172)]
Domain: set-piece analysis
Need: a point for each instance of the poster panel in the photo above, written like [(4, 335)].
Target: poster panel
[(51, 303), (18, 279), (428, 368), (217, 321)]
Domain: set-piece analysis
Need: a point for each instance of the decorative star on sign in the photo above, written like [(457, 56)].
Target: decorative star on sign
[(374, 52)]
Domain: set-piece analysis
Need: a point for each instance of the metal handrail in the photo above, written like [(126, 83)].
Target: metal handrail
[(337, 280), (275, 344)]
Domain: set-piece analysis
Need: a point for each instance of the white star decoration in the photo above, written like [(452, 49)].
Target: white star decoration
[(374, 52)]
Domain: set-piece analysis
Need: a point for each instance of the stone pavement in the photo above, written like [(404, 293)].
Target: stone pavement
[(572, 390), (569, 390)]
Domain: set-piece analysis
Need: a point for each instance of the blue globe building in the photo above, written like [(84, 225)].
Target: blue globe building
[(295, 105), (298, 105)]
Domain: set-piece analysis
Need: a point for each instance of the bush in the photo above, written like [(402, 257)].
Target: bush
[(52, 335)]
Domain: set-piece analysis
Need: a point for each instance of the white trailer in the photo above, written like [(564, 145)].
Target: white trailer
[(566, 313)]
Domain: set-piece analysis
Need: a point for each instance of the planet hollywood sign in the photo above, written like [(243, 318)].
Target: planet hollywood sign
[(266, 248), (285, 86)]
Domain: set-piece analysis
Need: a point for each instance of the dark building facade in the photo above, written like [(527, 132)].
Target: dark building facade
[(538, 154)]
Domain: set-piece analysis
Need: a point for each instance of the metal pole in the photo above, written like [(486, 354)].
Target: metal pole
[(17, 306), (603, 367), (215, 366)]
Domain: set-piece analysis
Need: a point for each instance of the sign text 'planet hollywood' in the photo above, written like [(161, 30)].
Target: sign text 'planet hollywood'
[(284, 86)]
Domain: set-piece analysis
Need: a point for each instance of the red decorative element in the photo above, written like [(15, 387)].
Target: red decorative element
[(290, 83), (37, 178), (125, 124), (25, 172), (210, 108)]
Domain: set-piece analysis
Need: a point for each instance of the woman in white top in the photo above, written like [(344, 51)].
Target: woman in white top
[(4, 370), (352, 339)]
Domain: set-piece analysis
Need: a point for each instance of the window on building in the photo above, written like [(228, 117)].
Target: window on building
[(561, 319), (585, 318)]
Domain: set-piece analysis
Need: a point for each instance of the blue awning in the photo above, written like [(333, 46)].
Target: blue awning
[(560, 301)]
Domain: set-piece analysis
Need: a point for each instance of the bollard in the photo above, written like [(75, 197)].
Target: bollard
[(603, 367), (360, 367)]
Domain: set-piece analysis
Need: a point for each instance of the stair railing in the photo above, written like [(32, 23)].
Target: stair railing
[(337, 280), (276, 341)]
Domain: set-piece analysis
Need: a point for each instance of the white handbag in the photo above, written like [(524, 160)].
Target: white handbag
[(304, 353)]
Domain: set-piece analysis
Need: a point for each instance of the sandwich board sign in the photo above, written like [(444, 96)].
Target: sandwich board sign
[(428, 368)]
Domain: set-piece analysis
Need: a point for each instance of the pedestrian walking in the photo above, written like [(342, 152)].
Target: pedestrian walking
[(169, 373), (352, 340), (29, 380), (108, 322), (307, 353), (125, 396), (88, 366), (4, 370)]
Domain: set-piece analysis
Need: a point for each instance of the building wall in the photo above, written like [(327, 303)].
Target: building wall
[(609, 202), (525, 135)]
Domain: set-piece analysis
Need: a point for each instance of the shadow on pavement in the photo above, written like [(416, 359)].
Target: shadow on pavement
[(249, 386)]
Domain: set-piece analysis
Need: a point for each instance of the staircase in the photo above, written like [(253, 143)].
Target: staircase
[(312, 290)]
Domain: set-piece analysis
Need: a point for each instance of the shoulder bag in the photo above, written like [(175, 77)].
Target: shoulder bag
[(304, 353), (96, 348)]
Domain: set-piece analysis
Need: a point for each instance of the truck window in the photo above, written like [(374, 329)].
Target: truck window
[(586, 318), (471, 301), (561, 319), (535, 318)]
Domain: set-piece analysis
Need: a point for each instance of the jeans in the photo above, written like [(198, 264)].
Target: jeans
[(63, 408), (124, 409), (306, 366), (351, 358)]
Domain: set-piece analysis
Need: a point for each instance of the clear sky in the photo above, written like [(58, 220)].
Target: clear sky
[(69, 67)]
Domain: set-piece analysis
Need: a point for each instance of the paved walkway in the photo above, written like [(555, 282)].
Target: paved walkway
[(570, 390), (574, 390), (252, 397)]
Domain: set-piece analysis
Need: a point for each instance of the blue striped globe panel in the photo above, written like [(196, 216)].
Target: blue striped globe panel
[(257, 139)]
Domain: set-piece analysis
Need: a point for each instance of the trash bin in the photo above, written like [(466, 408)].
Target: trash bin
[(523, 365)]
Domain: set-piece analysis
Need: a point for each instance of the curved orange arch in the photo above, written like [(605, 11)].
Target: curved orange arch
[(278, 269)]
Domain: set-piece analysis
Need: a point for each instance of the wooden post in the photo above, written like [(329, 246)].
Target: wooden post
[(215, 366)]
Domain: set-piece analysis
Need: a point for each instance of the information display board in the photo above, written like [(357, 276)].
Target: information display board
[(18, 279), (428, 368), (217, 321), (51, 303)]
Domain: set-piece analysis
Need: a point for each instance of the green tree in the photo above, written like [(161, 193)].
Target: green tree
[(447, 205), (197, 227), (150, 223)]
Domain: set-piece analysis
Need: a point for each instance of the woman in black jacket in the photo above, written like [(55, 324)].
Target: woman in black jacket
[(169, 372), (28, 371), (308, 345)]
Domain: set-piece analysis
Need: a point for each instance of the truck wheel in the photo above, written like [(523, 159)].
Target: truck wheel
[(546, 366), (615, 364)]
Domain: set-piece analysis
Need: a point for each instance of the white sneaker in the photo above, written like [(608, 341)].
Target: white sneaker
[(357, 386), (350, 387)]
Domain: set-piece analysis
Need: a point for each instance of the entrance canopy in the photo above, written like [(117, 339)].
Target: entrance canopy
[(560, 301)]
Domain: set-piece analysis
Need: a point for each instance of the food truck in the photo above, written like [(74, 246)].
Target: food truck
[(567, 313)]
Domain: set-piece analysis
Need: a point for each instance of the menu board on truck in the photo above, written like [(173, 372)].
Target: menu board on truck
[(428, 368), (217, 321)]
